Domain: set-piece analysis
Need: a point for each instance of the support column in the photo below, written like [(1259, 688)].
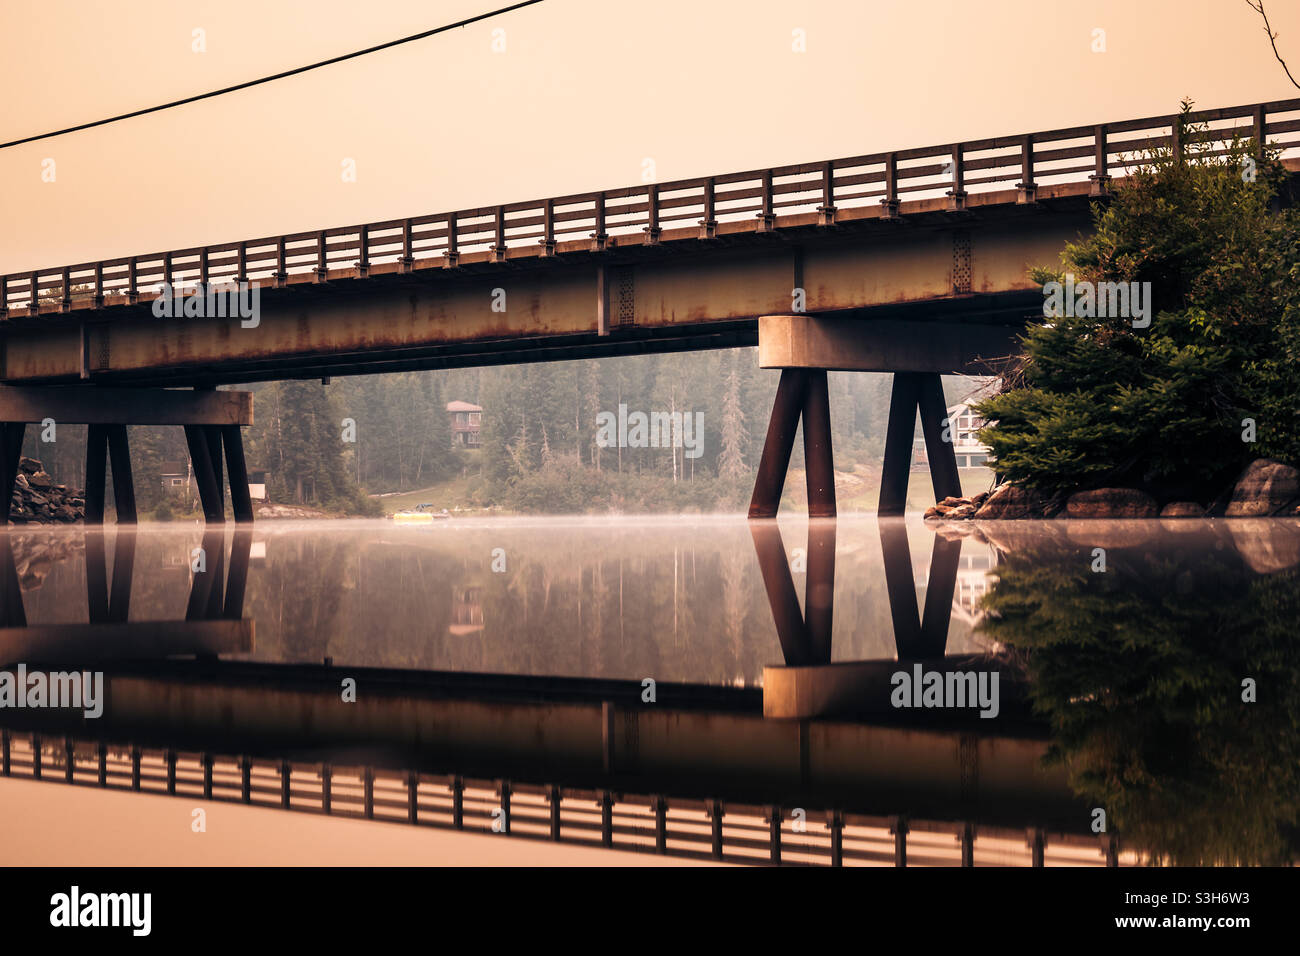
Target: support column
[(942, 455), (204, 475), (119, 453), (903, 401), (212, 434), (11, 450), (913, 390), (96, 465), (819, 459), (800, 393), (107, 444), (240, 499), (781, 428)]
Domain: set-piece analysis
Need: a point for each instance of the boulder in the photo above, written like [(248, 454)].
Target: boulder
[(1182, 509), (1111, 503), (1009, 502), (29, 466), (1264, 488), (40, 480)]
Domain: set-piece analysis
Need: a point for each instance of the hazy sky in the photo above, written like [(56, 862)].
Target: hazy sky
[(583, 93)]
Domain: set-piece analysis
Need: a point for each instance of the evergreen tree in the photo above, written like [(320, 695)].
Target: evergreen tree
[(731, 459), (1098, 402)]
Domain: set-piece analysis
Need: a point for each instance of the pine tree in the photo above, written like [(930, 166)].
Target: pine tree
[(731, 459)]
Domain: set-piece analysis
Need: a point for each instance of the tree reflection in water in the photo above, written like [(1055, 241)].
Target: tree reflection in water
[(1139, 671)]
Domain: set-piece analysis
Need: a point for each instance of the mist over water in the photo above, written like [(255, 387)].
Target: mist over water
[(677, 599)]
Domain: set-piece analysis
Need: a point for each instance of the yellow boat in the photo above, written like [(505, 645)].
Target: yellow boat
[(413, 517)]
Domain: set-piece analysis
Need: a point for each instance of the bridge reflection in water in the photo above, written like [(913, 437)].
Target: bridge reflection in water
[(704, 770)]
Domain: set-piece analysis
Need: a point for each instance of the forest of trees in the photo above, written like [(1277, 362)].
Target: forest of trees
[(331, 445)]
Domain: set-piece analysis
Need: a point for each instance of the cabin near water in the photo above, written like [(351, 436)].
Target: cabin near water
[(177, 479)]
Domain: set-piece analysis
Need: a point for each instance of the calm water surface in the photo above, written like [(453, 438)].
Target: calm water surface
[(1151, 668)]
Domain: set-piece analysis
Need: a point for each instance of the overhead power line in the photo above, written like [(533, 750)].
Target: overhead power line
[(276, 76)]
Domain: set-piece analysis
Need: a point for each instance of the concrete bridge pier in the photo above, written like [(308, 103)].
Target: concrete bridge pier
[(919, 353), (212, 422)]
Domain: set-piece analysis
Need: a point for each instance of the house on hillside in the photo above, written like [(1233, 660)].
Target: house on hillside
[(465, 419), (964, 424)]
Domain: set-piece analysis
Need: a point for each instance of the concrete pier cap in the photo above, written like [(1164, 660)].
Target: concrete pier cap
[(804, 340)]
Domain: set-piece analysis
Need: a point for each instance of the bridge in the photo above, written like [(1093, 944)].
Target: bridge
[(912, 261)]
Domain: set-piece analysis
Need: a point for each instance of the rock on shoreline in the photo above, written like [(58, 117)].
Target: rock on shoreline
[(1266, 488), (38, 500)]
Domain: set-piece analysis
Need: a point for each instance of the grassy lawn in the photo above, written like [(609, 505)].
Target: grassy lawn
[(447, 495)]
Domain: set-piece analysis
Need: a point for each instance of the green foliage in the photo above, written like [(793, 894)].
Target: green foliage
[(297, 437), (1097, 402), (1138, 672)]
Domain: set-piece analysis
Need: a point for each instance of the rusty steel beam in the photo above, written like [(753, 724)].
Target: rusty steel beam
[(99, 405)]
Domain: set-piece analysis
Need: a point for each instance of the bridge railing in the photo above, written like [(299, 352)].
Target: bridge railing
[(690, 827), (1021, 166)]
